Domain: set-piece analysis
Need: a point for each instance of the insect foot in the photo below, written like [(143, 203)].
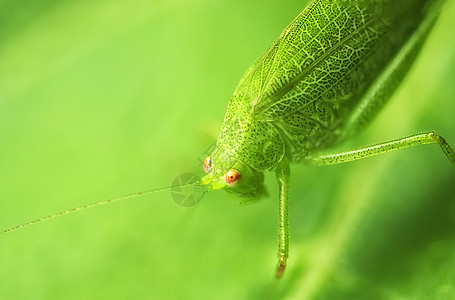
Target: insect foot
[(280, 267)]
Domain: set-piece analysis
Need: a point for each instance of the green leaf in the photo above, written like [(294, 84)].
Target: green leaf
[(104, 98)]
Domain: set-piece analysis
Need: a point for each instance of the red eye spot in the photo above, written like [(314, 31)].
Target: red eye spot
[(231, 177), (207, 164)]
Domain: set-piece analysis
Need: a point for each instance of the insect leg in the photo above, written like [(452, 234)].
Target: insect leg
[(283, 176), (412, 140)]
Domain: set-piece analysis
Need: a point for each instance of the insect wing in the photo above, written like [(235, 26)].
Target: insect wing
[(326, 59)]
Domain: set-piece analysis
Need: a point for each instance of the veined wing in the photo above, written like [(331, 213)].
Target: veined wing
[(328, 56)]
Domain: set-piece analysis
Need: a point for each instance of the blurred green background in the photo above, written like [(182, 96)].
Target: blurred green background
[(104, 98)]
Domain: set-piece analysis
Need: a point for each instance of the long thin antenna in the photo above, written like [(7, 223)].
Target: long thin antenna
[(90, 205)]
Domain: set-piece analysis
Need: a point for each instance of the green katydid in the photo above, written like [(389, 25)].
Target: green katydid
[(326, 76)]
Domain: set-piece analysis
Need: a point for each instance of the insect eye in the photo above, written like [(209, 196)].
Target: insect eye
[(231, 177), (207, 164)]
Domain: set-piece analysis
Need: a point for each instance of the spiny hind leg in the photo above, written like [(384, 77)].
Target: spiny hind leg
[(429, 137)]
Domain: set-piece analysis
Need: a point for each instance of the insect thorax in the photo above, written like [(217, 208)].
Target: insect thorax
[(263, 143), (255, 142)]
